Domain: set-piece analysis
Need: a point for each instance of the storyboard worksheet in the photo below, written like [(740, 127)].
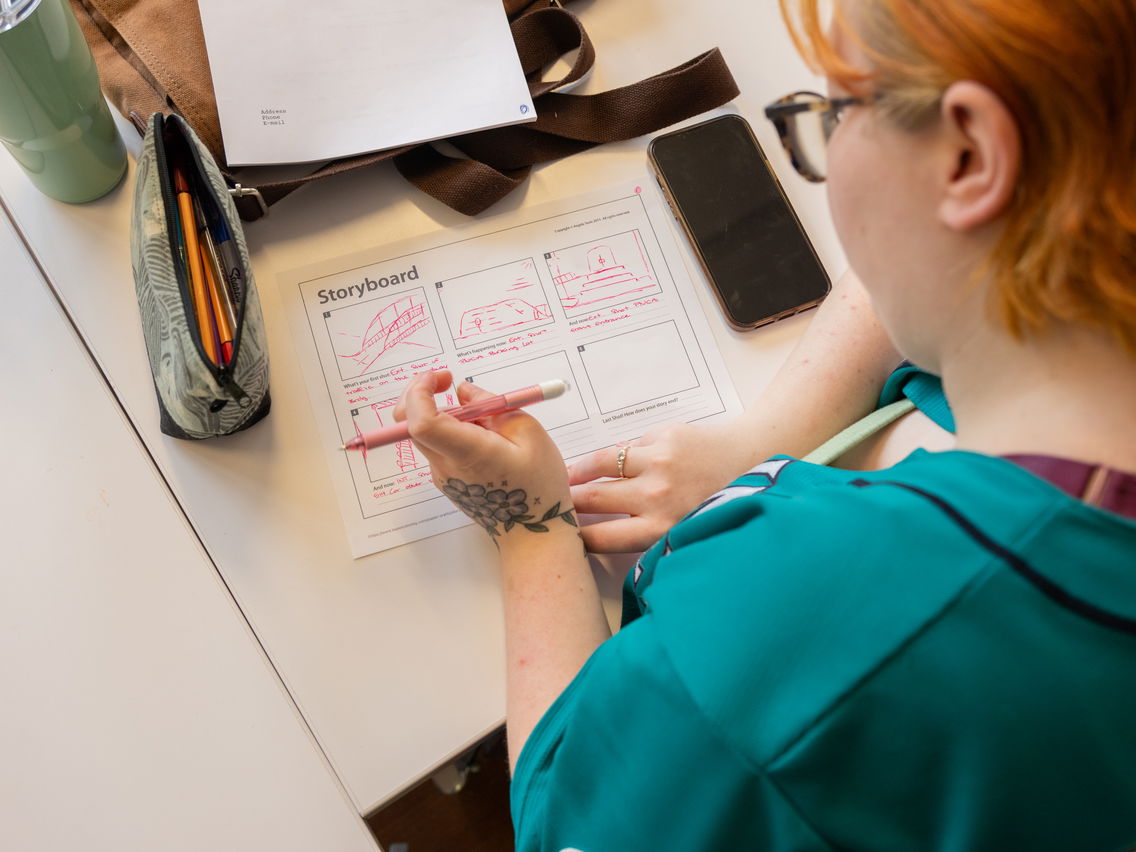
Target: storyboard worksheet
[(591, 290)]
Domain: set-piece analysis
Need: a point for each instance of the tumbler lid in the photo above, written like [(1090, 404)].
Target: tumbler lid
[(14, 11)]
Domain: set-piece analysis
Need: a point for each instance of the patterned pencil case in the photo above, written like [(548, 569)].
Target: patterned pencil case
[(201, 316)]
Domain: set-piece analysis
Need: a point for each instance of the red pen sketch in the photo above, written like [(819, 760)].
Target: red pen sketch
[(379, 333), (392, 460), (494, 302), (405, 457), (599, 273), (499, 316)]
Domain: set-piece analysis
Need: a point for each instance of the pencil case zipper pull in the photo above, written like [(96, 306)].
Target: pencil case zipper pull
[(235, 391)]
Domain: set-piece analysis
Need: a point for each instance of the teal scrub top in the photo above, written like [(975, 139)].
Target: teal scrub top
[(936, 656), (922, 388)]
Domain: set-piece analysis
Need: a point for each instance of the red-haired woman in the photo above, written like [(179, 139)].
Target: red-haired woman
[(937, 655)]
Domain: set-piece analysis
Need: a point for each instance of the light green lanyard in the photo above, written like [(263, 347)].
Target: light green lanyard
[(864, 428)]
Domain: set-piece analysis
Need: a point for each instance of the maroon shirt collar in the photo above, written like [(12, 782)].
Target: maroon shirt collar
[(1104, 487)]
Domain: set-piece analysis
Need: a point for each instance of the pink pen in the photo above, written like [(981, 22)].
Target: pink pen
[(474, 411)]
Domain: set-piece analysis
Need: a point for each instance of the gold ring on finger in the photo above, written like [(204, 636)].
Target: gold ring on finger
[(620, 458)]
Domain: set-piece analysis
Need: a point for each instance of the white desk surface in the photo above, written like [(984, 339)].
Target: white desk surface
[(395, 660), (139, 712)]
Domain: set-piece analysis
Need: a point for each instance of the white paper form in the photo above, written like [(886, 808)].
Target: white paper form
[(298, 81), (591, 290)]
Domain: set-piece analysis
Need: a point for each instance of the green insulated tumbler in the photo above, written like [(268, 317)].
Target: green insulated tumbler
[(53, 118)]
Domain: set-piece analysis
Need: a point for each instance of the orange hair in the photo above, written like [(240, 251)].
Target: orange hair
[(1066, 70)]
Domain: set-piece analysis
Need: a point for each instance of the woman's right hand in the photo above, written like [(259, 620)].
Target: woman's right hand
[(666, 473), (503, 471)]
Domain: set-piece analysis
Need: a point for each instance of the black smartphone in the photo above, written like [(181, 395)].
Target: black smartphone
[(745, 233)]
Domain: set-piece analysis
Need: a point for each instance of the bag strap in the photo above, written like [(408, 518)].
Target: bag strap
[(542, 36), (502, 158)]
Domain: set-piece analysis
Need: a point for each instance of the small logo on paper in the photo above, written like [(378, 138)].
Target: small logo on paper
[(524, 109)]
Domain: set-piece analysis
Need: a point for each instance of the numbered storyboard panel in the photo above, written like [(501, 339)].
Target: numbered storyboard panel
[(590, 290)]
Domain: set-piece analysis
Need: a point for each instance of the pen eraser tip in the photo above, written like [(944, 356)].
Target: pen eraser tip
[(554, 388)]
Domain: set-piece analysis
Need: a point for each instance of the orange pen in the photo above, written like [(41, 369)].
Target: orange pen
[(197, 283), (218, 295), (224, 329)]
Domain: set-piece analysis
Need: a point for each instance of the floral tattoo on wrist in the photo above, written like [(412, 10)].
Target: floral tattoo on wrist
[(499, 509)]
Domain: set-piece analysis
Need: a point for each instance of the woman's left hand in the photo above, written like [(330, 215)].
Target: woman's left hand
[(503, 471)]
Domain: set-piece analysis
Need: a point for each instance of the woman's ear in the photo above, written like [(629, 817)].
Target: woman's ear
[(986, 156)]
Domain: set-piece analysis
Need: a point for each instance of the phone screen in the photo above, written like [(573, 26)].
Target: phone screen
[(733, 209)]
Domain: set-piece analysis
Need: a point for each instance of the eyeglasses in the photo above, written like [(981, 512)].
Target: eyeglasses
[(805, 121)]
